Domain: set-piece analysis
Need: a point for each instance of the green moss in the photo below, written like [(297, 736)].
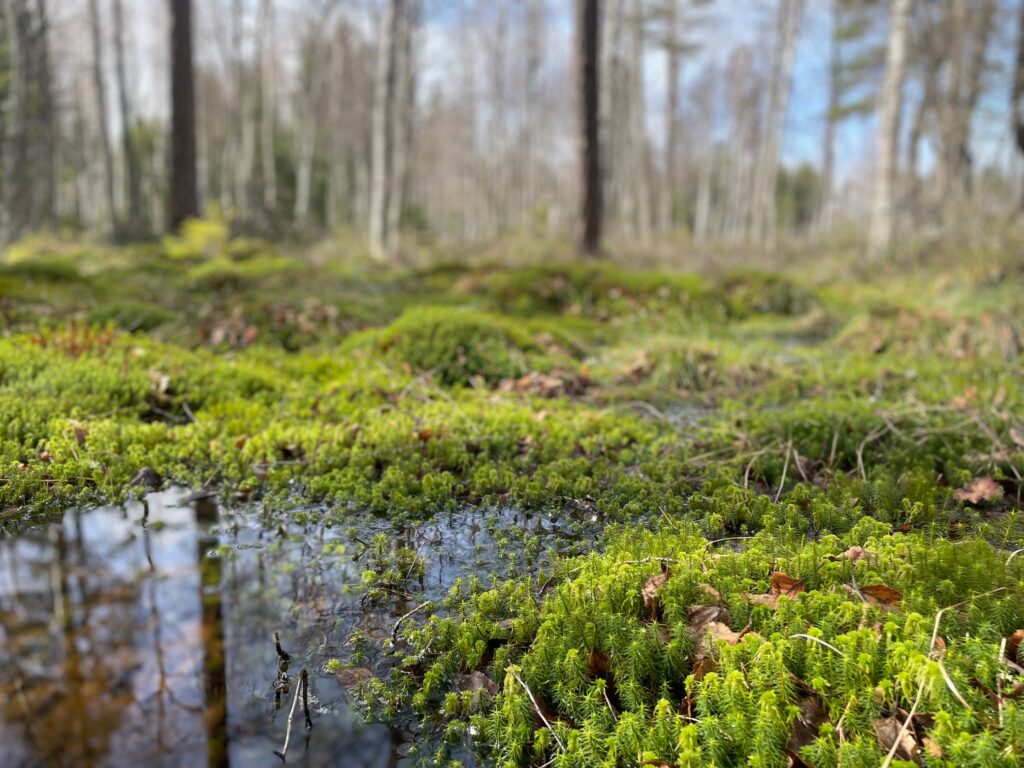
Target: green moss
[(457, 346)]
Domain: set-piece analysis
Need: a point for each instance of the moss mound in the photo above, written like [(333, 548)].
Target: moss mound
[(457, 346)]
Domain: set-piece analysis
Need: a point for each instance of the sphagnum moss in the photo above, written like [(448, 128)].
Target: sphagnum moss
[(832, 441)]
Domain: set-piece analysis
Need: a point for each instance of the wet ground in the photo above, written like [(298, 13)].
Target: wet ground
[(143, 634)]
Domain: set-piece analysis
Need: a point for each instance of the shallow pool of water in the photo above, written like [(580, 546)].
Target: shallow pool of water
[(143, 634)]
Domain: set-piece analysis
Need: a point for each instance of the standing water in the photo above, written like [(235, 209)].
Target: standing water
[(143, 634)]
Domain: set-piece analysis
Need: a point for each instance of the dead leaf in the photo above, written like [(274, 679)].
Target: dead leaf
[(476, 681), (598, 664), (650, 592), (1017, 435), (939, 649), (806, 724), (1013, 643), (424, 435), (888, 730), (932, 748), (855, 554), (786, 585), (978, 490), (353, 675), (880, 594)]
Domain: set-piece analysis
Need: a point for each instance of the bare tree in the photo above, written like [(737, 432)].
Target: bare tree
[(762, 223), (99, 92), (587, 53), (133, 193), (382, 136), (1017, 97), (268, 78), (184, 194), (15, 121), (880, 236)]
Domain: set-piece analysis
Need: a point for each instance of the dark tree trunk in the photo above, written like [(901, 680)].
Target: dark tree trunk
[(184, 197), (591, 213), (133, 191)]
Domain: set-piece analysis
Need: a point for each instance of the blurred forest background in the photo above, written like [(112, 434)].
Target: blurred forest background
[(402, 124)]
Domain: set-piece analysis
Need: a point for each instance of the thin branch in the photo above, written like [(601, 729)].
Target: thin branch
[(288, 731), (398, 624), (536, 707)]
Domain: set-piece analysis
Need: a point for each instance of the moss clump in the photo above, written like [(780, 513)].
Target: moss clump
[(457, 346), (708, 663)]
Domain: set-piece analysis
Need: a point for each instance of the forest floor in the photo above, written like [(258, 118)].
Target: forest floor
[(806, 488)]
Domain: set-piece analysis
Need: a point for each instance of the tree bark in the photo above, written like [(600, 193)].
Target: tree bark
[(672, 45), (402, 109), (101, 109), (382, 134), (184, 195), (47, 141), (15, 122), (763, 223), (131, 164), (1018, 90), (588, 76), (880, 235), (267, 105)]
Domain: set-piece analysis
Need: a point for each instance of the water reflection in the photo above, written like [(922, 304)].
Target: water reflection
[(143, 634)]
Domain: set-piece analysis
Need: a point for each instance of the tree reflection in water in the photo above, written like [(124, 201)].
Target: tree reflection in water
[(142, 634)]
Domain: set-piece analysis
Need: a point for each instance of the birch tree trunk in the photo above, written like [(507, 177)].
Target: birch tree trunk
[(131, 165), (245, 160), (15, 119), (672, 44), (267, 105), (1017, 97), (382, 132), (184, 195), (588, 82), (835, 74), (336, 148), (402, 109), (763, 225), (47, 148), (100, 94), (880, 234)]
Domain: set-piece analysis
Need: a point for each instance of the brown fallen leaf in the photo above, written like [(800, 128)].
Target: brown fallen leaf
[(880, 594), (888, 730), (477, 681), (1013, 643), (855, 554), (809, 719), (1017, 435), (781, 584), (932, 748), (650, 591), (353, 675), (978, 490), (598, 664)]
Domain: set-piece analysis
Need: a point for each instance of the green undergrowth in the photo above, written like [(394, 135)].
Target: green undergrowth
[(729, 426), (668, 649)]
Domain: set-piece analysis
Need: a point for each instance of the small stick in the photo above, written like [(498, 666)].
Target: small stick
[(785, 468), (819, 641), (398, 624), (304, 682), (536, 707), (288, 731), (281, 653)]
